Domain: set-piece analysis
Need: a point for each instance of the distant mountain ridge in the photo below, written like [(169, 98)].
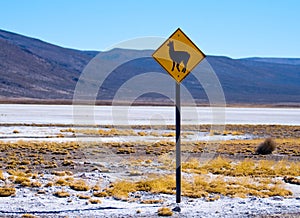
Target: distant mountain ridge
[(33, 69), (290, 61)]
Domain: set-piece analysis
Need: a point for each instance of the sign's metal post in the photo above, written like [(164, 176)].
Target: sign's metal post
[(178, 148), (178, 50)]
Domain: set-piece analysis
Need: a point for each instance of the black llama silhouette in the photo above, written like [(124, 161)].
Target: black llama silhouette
[(178, 57)]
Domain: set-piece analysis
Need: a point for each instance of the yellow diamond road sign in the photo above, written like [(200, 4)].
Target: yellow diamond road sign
[(178, 55)]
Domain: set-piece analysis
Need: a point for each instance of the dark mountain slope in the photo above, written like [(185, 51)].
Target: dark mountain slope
[(31, 68)]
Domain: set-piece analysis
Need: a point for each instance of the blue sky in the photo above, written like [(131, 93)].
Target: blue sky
[(234, 28)]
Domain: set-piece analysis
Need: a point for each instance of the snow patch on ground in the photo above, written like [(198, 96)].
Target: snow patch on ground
[(27, 200)]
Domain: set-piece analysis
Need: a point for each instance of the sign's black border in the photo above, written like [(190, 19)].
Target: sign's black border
[(178, 29)]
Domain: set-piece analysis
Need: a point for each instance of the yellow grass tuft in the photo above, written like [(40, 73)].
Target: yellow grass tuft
[(142, 133), (49, 184), (168, 134), (7, 191), (61, 182), (16, 131), (121, 189), (1, 175), (191, 164), (26, 215), (35, 184), (25, 162), (18, 173), (135, 173), (157, 184), (202, 186), (126, 150), (148, 161), (81, 196), (62, 194), (212, 198), (291, 180), (218, 165), (95, 201), (59, 173), (151, 201), (68, 130), (96, 188), (21, 180), (247, 167), (100, 194), (164, 211), (68, 163), (79, 185), (34, 176), (104, 132)]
